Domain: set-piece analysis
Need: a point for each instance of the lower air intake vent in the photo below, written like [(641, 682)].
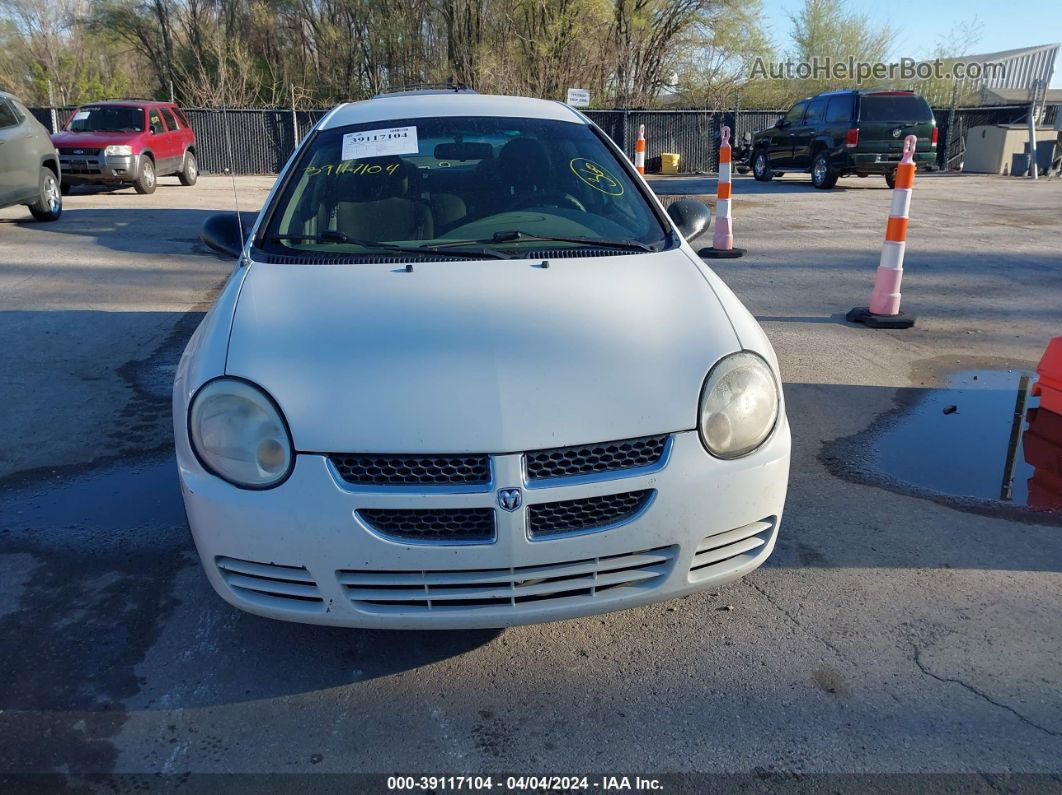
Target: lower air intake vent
[(269, 585), (585, 515), (512, 590), (724, 552), (433, 525)]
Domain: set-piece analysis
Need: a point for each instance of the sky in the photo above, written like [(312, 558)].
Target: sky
[(1004, 26)]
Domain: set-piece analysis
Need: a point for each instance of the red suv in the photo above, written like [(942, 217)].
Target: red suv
[(126, 142)]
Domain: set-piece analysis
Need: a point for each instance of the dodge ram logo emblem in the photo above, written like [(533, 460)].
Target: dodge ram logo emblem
[(510, 499)]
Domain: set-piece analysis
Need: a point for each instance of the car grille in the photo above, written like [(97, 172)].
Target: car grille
[(584, 515), (432, 525), (562, 462), (269, 585), (407, 470), (723, 552), (78, 151), (530, 587)]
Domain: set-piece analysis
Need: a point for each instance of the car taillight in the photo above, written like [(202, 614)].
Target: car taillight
[(851, 140), (933, 137)]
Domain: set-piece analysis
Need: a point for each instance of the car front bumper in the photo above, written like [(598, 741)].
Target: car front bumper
[(99, 168), (300, 551)]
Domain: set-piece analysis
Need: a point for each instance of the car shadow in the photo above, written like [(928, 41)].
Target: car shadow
[(836, 317), (147, 230), (109, 575), (744, 185)]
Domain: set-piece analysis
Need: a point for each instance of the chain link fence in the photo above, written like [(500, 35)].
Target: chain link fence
[(954, 123), (261, 140)]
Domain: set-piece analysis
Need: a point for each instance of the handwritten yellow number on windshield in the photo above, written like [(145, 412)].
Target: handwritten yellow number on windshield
[(350, 167), (596, 176)]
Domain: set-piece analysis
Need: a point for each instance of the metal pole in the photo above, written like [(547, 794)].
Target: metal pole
[(625, 120), (949, 130), (1033, 170), (51, 109), (1007, 489), (294, 118), (171, 92)]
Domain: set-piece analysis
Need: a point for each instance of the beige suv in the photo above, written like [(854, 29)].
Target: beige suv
[(29, 166)]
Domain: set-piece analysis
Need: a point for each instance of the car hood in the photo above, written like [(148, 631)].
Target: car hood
[(479, 356), (93, 140)]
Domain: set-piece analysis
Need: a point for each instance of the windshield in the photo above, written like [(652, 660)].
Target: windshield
[(439, 181), (894, 107), (106, 118)]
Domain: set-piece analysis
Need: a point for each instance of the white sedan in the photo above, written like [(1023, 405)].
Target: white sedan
[(467, 372)]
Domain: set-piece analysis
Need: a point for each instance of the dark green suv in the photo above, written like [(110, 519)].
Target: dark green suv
[(840, 133)]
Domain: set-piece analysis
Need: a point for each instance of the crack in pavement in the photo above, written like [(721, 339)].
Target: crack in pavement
[(976, 692), (793, 618)]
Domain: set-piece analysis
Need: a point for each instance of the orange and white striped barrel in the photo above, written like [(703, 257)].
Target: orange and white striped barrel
[(639, 150), (723, 237), (885, 300)]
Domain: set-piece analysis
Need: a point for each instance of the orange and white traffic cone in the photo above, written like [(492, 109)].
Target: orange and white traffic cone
[(1049, 385), (1042, 443), (723, 239), (884, 310), (639, 150)]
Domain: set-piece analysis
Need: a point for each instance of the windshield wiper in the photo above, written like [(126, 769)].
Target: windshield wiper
[(335, 236), (515, 236)]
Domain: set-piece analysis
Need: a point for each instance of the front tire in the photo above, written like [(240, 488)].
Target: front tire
[(145, 180), (761, 169), (823, 175), (49, 204), (189, 173)]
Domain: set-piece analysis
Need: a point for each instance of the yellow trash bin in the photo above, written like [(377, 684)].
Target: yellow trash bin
[(669, 163)]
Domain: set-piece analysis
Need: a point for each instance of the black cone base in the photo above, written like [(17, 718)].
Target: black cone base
[(715, 253), (862, 314)]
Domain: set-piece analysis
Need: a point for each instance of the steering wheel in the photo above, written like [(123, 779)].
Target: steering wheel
[(549, 198)]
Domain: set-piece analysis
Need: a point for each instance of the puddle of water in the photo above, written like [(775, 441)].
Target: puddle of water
[(132, 502), (961, 441)]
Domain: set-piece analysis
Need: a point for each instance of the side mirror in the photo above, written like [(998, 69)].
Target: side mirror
[(221, 232), (691, 217), (780, 123)]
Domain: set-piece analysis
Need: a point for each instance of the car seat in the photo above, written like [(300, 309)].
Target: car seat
[(377, 206), (525, 167), (447, 209)]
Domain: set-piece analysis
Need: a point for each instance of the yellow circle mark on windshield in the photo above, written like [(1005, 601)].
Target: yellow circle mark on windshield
[(596, 177)]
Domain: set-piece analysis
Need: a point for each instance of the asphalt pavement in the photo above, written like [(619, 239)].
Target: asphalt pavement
[(890, 633)]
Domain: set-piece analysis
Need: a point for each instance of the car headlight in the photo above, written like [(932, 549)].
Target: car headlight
[(739, 405), (118, 150), (239, 434)]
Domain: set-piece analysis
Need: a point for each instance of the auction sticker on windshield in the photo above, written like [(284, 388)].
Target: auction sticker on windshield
[(380, 143)]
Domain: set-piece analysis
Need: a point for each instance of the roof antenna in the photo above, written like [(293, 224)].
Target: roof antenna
[(232, 177)]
